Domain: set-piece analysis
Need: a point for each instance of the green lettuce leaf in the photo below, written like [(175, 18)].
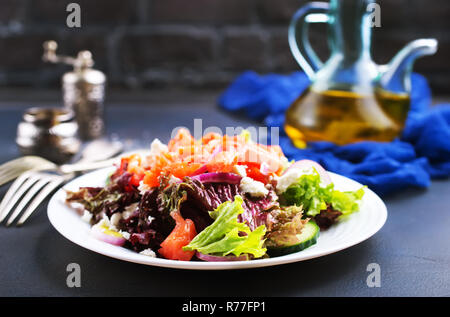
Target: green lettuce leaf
[(222, 236), (346, 202), (309, 193)]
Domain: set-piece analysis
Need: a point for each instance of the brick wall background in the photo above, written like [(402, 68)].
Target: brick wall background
[(195, 43)]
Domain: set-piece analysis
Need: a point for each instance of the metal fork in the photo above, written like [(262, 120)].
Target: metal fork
[(33, 188), (94, 151), (14, 168), (39, 184)]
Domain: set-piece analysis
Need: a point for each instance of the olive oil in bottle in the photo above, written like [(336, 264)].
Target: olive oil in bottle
[(344, 117)]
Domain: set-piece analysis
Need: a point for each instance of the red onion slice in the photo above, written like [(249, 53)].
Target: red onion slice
[(228, 178), (201, 170), (99, 233)]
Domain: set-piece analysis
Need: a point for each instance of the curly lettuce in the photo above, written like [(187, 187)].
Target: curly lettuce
[(228, 236), (309, 193)]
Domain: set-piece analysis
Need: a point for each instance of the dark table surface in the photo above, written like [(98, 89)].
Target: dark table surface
[(412, 249)]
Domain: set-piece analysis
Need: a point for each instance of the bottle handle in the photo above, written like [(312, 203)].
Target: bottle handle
[(313, 12)]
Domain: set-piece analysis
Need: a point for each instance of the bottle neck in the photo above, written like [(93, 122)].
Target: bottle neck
[(350, 28)]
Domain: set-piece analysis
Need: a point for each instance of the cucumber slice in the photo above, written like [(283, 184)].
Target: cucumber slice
[(307, 238)]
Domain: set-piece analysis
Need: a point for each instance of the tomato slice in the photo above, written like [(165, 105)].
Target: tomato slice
[(253, 170), (181, 235), (123, 165), (182, 169)]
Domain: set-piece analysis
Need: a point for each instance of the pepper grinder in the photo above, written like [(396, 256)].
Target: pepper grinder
[(83, 90)]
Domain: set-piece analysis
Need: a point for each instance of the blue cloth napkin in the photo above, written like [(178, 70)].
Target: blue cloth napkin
[(420, 154)]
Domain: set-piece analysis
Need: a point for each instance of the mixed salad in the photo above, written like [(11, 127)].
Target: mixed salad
[(219, 198)]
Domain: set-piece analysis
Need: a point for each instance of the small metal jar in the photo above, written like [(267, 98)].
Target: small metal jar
[(50, 133)]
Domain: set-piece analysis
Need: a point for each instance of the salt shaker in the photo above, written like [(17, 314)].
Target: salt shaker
[(83, 90), (48, 132)]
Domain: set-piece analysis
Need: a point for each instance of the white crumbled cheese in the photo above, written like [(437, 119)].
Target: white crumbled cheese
[(125, 234), (150, 219), (290, 177), (143, 188), (252, 187), (157, 147), (128, 211), (148, 252), (87, 216), (102, 224), (264, 168), (115, 219), (106, 223), (240, 170)]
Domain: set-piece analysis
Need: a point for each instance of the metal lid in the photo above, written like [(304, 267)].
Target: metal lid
[(83, 60), (47, 116)]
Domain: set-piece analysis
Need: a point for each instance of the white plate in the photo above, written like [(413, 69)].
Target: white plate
[(357, 228)]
